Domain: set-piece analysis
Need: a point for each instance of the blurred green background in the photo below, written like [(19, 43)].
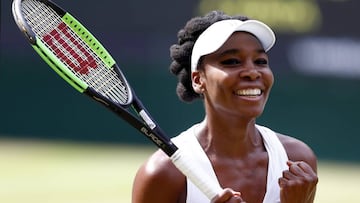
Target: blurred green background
[(315, 61)]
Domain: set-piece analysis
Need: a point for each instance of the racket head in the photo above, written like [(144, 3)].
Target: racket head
[(21, 22), (71, 50)]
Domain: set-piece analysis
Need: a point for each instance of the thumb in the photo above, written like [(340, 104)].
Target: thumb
[(227, 194)]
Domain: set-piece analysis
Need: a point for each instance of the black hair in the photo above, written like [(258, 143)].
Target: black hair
[(180, 53)]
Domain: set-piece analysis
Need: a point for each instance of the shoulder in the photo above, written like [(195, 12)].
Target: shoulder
[(158, 180), (297, 150)]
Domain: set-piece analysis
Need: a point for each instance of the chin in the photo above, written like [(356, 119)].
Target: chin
[(253, 113)]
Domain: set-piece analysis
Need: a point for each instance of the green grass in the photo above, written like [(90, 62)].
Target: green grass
[(338, 182), (55, 172)]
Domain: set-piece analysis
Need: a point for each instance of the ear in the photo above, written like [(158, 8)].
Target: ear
[(197, 82)]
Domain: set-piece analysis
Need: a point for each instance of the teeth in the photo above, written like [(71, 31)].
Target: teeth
[(249, 92)]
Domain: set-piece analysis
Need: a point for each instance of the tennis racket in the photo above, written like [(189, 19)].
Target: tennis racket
[(80, 59)]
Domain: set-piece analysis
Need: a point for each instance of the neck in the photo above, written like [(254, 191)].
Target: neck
[(231, 138)]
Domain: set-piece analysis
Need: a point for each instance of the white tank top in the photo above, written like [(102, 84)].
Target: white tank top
[(277, 163)]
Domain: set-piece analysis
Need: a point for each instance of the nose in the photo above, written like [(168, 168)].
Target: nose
[(250, 72)]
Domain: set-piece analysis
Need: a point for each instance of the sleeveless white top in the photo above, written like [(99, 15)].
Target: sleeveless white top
[(277, 163)]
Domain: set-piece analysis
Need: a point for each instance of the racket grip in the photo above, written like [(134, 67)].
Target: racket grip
[(186, 164)]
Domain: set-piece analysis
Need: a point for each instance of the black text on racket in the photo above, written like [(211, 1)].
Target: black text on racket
[(80, 59)]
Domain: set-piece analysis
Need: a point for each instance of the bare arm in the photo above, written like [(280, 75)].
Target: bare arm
[(298, 184), (158, 181)]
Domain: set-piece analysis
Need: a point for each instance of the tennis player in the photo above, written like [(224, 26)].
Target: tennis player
[(223, 60)]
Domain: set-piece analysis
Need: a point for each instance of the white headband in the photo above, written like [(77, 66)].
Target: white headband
[(215, 36)]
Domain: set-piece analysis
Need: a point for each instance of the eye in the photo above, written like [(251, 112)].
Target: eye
[(231, 61), (261, 61)]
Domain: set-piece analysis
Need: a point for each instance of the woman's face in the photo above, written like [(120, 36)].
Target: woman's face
[(237, 79)]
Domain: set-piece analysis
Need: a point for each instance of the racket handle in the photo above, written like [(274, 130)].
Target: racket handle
[(185, 163)]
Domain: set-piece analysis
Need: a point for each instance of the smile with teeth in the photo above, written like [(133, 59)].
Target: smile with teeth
[(248, 92)]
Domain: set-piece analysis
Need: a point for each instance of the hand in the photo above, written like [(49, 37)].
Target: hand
[(228, 196), (298, 184)]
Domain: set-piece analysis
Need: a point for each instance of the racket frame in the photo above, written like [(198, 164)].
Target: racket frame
[(147, 126)]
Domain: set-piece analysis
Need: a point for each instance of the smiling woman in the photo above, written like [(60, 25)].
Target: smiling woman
[(240, 68), (223, 61)]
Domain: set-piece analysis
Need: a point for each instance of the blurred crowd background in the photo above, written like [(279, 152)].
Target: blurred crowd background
[(316, 62)]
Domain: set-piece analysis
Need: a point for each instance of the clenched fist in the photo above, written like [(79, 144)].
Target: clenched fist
[(298, 184)]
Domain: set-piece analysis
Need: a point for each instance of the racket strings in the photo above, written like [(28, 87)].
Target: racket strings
[(72, 51), (30, 8)]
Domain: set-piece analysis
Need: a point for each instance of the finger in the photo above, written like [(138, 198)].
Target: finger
[(306, 167), (226, 195), (223, 196), (289, 175), (300, 168), (282, 182), (295, 169), (236, 199)]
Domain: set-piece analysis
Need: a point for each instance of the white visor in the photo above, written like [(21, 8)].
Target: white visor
[(216, 35)]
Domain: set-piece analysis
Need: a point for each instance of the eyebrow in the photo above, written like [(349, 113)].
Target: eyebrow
[(235, 51)]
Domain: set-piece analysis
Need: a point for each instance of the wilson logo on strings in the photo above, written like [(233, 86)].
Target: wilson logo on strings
[(69, 50)]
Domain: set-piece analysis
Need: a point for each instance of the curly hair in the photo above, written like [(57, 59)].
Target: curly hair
[(180, 53)]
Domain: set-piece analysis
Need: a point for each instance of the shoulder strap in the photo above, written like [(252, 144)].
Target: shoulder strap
[(277, 163)]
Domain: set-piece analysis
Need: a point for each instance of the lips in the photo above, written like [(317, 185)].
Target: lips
[(249, 92)]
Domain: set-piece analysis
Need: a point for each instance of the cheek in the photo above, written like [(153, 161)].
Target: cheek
[(213, 78), (269, 78)]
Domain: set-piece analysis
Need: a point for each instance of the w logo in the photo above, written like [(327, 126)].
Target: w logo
[(69, 50)]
